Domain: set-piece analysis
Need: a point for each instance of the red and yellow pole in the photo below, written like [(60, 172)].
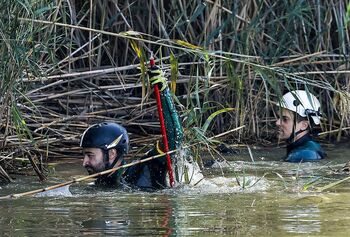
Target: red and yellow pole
[(163, 129)]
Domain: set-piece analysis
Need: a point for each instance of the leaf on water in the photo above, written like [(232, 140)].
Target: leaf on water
[(311, 183), (332, 185)]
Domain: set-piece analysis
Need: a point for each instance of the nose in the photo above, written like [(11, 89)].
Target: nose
[(278, 122), (86, 160)]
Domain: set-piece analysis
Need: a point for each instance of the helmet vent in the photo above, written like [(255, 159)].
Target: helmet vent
[(115, 142), (296, 103)]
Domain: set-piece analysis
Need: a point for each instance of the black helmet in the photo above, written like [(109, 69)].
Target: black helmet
[(106, 136)]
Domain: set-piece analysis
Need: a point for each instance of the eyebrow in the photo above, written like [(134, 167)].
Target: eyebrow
[(88, 152)]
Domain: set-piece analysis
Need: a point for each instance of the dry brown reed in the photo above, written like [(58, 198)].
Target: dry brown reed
[(239, 54)]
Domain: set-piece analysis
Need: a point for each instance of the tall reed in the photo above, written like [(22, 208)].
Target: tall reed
[(67, 64)]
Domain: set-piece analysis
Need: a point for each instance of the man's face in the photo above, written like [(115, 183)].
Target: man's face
[(93, 160), (285, 124)]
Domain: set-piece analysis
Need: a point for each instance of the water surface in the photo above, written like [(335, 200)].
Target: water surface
[(269, 201)]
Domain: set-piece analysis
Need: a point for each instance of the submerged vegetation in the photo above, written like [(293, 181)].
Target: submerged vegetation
[(68, 64)]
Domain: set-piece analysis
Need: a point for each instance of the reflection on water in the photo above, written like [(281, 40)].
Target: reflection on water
[(251, 199), (302, 219)]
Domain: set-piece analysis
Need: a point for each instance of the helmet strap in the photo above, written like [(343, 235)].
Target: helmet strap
[(106, 159), (116, 163), (118, 159), (292, 135), (295, 133), (107, 178)]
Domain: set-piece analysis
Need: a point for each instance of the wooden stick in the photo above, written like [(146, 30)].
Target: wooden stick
[(297, 59), (332, 131), (77, 180), (3, 172)]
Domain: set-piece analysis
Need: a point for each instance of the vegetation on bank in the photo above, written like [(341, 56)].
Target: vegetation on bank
[(68, 64)]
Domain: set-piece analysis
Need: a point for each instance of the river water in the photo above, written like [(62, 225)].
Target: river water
[(241, 197)]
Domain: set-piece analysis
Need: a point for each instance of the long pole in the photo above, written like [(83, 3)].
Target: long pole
[(163, 129), (77, 180), (110, 170)]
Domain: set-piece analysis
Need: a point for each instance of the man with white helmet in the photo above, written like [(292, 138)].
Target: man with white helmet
[(300, 113)]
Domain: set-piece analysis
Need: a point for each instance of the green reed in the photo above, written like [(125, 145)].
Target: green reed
[(67, 64)]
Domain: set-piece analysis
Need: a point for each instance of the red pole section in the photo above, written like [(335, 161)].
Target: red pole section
[(163, 129)]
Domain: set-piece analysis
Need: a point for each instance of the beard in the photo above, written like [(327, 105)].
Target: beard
[(281, 134), (91, 170)]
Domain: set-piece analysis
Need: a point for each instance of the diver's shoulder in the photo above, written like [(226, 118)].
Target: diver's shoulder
[(312, 145), (309, 151)]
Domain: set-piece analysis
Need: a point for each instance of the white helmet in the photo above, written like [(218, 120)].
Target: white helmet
[(303, 103)]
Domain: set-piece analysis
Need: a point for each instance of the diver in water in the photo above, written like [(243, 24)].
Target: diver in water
[(105, 144), (300, 113)]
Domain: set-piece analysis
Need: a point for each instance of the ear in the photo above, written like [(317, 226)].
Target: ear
[(112, 154), (304, 124)]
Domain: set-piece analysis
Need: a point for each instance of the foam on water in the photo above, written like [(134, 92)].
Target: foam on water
[(227, 185), (62, 191)]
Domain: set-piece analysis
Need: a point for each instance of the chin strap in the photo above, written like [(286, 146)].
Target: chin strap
[(106, 158), (117, 161), (295, 133)]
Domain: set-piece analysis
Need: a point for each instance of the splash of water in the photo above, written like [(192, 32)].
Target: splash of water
[(62, 191)]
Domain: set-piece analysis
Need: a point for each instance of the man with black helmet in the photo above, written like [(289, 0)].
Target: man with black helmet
[(105, 144), (300, 113)]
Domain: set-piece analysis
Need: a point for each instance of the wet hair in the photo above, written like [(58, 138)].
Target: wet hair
[(311, 126), (299, 118)]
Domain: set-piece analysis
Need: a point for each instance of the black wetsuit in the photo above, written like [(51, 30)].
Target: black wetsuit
[(147, 176), (150, 175)]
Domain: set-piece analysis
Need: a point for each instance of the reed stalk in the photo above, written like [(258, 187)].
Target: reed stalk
[(68, 64)]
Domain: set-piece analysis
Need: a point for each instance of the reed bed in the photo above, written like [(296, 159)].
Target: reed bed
[(69, 64)]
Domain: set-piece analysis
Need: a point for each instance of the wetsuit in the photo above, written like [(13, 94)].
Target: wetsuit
[(304, 149), (151, 175)]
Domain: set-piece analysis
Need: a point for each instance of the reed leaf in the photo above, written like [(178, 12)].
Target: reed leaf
[(174, 66), (212, 116), (332, 185), (75, 63)]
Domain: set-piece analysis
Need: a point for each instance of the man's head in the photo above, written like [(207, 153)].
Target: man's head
[(300, 111), (94, 159), (103, 145)]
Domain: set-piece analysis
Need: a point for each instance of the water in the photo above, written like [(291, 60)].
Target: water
[(271, 203)]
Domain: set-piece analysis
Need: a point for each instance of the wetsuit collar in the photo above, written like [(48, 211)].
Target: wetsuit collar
[(112, 179), (299, 142)]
